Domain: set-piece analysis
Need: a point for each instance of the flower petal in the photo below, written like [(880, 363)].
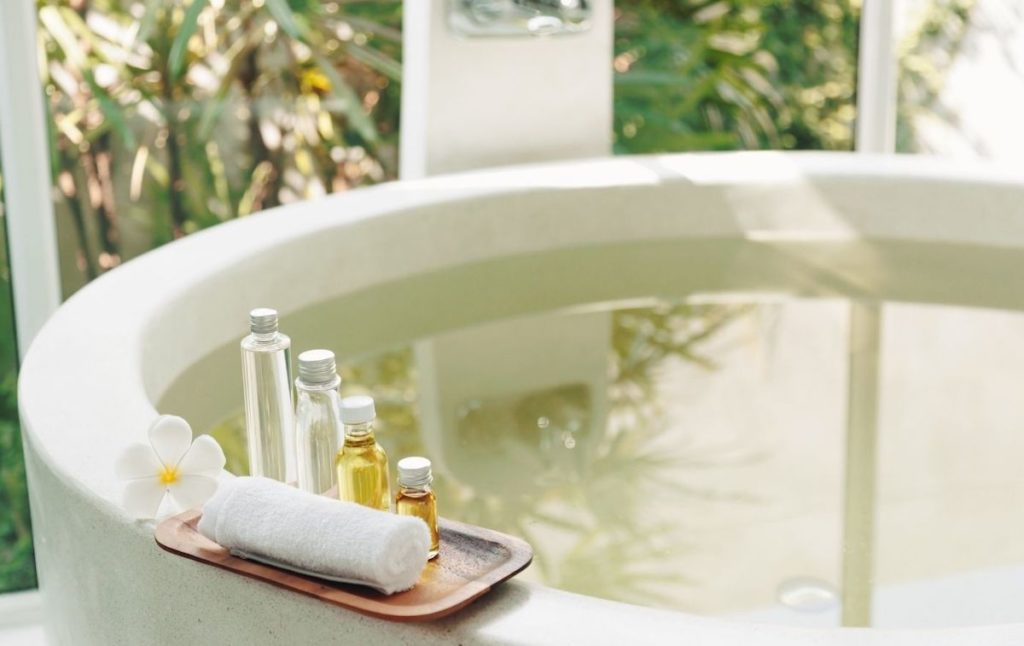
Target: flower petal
[(191, 491), (204, 458), (142, 497), (170, 436), (137, 461)]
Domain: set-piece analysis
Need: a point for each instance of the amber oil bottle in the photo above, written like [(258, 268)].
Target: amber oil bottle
[(416, 498)]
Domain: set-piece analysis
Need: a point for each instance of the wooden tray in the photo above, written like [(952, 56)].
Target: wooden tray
[(471, 562)]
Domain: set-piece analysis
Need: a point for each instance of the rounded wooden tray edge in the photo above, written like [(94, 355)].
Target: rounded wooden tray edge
[(167, 532)]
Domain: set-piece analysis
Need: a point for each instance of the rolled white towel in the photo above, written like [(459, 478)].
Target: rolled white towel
[(265, 520)]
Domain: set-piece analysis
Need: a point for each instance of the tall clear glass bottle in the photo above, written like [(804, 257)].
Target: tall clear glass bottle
[(416, 498), (318, 426), (266, 384), (362, 464)]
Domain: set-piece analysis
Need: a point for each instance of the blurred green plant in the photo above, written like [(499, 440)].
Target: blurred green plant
[(16, 560), (722, 75), (172, 116), (925, 56), (186, 113)]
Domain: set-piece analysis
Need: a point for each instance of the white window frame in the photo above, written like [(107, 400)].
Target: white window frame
[(24, 152), (876, 78)]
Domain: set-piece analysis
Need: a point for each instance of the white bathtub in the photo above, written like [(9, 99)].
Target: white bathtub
[(883, 227)]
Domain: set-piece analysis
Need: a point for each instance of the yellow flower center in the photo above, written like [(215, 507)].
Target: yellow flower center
[(168, 475)]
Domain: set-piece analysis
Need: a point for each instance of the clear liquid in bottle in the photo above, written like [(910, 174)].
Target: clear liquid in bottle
[(266, 384), (318, 424)]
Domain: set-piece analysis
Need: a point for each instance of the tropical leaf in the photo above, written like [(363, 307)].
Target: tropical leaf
[(214, 106), (112, 112), (377, 60), (54, 23), (286, 19), (187, 29), (344, 100), (147, 22)]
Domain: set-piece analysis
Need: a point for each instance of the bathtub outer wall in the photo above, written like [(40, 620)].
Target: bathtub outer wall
[(116, 346)]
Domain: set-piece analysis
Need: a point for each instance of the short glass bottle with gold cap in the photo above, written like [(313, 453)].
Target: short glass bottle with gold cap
[(416, 498), (317, 420), (361, 464)]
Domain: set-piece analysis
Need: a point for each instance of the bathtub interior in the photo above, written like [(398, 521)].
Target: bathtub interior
[(665, 420)]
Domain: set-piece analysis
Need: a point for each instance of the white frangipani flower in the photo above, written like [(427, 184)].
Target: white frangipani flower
[(171, 463)]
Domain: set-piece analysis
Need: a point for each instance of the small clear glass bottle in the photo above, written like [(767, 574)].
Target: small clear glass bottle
[(416, 498), (362, 465), (267, 390), (317, 420)]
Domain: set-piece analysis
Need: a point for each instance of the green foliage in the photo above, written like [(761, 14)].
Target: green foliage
[(721, 75), (179, 46), (173, 116), (17, 571), (925, 57)]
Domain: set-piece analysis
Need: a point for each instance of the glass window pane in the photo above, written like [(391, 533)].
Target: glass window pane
[(17, 567), (168, 120), (740, 75), (961, 90)]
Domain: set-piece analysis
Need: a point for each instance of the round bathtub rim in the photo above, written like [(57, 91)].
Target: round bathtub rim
[(44, 424)]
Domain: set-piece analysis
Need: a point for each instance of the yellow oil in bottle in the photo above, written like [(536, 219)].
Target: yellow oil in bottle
[(422, 505), (361, 463), (416, 498)]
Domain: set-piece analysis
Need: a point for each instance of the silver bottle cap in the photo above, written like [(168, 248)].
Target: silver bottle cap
[(357, 409), (414, 471), (263, 320), (317, 367)]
